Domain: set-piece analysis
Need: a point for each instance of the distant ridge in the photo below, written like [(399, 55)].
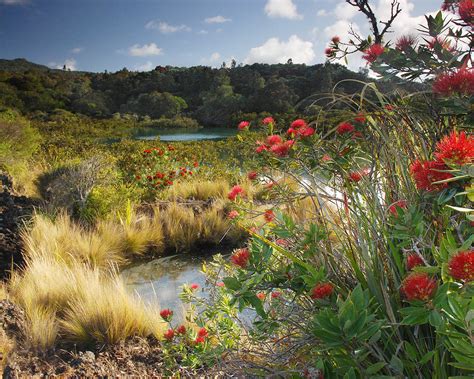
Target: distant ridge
[(21, 64)]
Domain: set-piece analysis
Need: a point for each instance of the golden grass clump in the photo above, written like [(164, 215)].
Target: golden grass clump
[(78, 303), (67, 242), (198, 190), (180, 226)]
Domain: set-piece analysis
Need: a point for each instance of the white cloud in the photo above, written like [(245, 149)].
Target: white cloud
[(217, 20), (214, 58), (166, 28), (70, 64), (322, 13), (145, 50), (283, 9), (345, 11), (147, 66), (202, 31), (276, 51), (14, 2), (77, 50)]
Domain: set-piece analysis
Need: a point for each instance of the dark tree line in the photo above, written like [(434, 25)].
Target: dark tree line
[(211, 96)]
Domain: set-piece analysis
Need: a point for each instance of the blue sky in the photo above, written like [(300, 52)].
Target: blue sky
[(98, 35)]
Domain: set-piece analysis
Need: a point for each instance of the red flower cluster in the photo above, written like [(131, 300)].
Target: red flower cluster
[(169, 334), (268, 120), (418, 286), (269, 215), (234, 192), (243, 125), (443, 43), (460, 82), (455, 148), (181, 329), (274, 140), (321, 291), (330, 52), (335, 40), (232, 214), (360, 118), (414, 260), (426, 173), (466, 11), (194, 286), (300, 128), (461, 266), (241, 257), (345, 127), (261, 296), (356, 176), (373, 52), (405, 42), (252, 175), (166, 314), (275, 294), (282, 149), (402, 204)]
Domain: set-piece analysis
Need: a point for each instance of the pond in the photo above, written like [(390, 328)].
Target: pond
[(182, 135), (159, 282)]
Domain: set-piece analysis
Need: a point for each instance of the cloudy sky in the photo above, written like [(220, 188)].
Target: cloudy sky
[(98, 35)]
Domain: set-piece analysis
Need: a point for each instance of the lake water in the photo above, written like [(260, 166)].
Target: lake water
[(159, 282), (181, 135)]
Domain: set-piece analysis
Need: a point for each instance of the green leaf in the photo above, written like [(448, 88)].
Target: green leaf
[(396, 364), (375, 368), (435, 319), (232, 283), (427, 357)]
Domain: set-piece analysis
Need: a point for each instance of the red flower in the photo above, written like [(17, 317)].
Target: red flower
[(138, 177), (414, 260), (455, 148), (443, 43), (345, 127), (306, 131), (147, 151), (282, 242), (199, 340), (329, 52), (195, 164), (426, 173), (181, 329), (276, 294), (274, 140), (466, 11), (202, 333), (166, 314), (232, 214), (326, 158), (282, 149), (261, 296), (460, 82), (240, 257), (299, 123), (220, 284), (402, 204), (171, 148), (234, 192), (373, 52), (405, 42), (335, 40), (356, 176), (268, 120), (321, 291), (357, 135), (360, 118), (243, 125), (291, 132), (194, 286), (269, 215), (169, 334), (389, 107), (461, 266), (252, 175), (261, 147), (418, 286)]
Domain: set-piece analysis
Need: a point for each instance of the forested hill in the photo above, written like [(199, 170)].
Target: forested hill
[(211, 96)]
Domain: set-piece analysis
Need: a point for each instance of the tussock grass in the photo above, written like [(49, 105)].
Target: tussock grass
[(198, 190), (180, 226), (78, 303)]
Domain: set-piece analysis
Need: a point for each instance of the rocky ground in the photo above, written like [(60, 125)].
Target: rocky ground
[(14, 209)]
